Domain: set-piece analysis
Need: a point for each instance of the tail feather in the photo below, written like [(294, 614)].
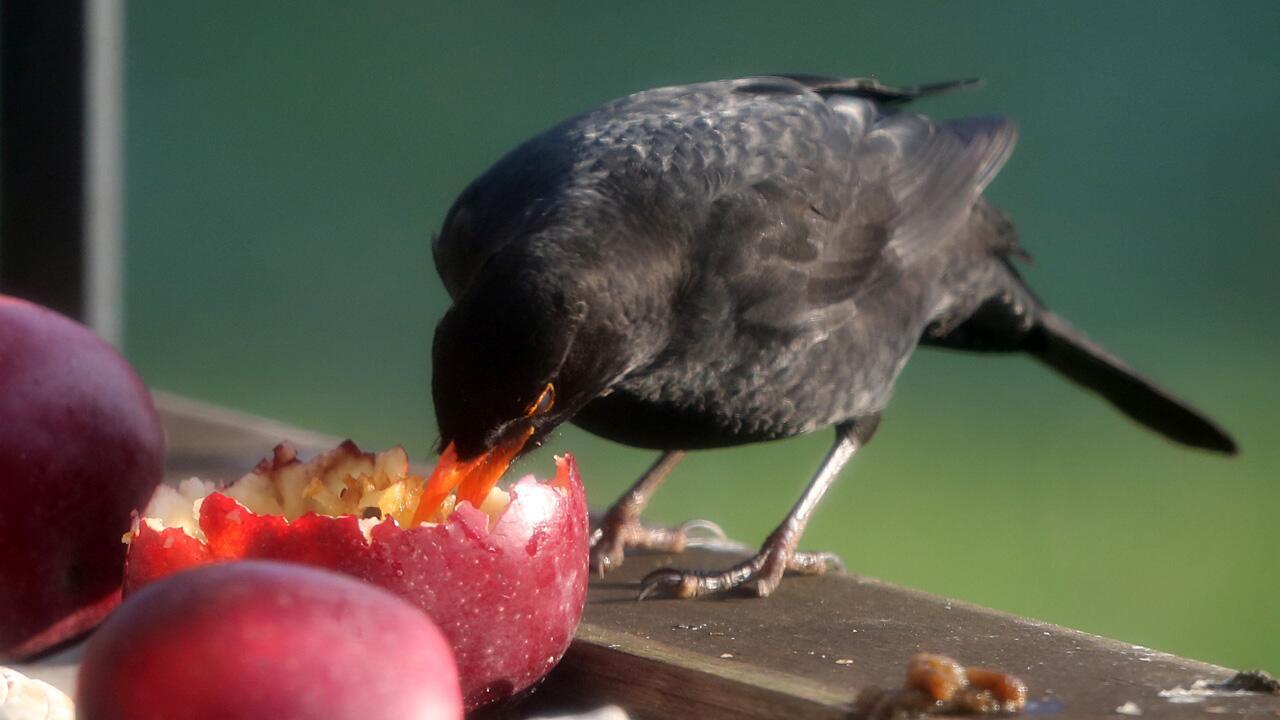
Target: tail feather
[(1068, 351)]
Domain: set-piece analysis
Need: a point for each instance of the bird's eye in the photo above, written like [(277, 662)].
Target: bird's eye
[(544, 402)]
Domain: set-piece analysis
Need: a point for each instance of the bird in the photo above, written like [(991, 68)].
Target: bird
[(731, 262)]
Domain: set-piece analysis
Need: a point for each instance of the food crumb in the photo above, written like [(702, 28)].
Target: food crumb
[(1242, 683), (1254, 681), (844, 661), (1129, 708), (726, 656), (938, 684)]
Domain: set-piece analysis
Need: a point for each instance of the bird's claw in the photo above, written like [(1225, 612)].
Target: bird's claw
[(610, 541), (815, 563), (606, 551), (765, 570), (678, 583)]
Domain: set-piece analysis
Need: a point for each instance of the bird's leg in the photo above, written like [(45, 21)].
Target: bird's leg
[(620, 527), (778, 553)]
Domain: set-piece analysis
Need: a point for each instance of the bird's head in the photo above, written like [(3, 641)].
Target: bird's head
[(499, 376)]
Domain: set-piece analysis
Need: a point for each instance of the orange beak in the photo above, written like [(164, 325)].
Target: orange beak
[(474, 478)]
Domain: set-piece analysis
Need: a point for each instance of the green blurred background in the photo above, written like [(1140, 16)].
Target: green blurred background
[(286, 167)]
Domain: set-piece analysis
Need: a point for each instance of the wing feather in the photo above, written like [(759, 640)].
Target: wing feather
[(934, 172), (912, 186)]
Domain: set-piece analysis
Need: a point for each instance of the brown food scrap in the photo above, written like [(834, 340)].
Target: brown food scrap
[(937, 675), (1007, 689), (885, 703), (1250, 681), (939, 684)]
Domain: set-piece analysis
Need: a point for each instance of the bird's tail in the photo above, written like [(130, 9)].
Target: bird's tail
[(1054, 342)]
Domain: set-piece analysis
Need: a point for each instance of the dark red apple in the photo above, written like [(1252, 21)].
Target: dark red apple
[(506, 583), (257, 640), (80, 448)]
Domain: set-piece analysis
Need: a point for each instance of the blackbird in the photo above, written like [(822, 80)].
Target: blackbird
[(731, 262)]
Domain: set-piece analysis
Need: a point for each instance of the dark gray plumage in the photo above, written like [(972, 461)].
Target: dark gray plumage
[(737, 261)]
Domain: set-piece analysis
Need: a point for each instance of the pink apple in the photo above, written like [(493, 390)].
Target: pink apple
[(255, 640), (80, 447)]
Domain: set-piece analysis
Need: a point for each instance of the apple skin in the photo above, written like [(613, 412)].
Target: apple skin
[(254, 640), (80, 447), (508, 597)]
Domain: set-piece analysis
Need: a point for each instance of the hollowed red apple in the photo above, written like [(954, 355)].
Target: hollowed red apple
[(505, 582), (258, 640), (80, 448)]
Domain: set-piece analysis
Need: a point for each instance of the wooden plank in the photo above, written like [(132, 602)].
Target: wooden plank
[(805, 652)]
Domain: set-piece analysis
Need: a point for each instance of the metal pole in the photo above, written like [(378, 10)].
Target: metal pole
[(104, 177), (60, 134)]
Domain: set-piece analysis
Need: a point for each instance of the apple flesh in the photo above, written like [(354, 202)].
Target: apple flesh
[(505, 582), (24, 698), (80, 448), (267, 640)]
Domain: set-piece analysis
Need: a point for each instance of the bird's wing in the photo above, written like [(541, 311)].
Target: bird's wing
[(933, 171), (873, 89), (783, 264), (902, 188)]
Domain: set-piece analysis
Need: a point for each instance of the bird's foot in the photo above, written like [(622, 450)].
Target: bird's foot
[(617, 532), (764, 570)]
